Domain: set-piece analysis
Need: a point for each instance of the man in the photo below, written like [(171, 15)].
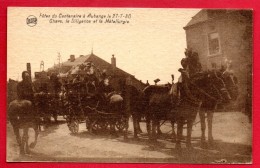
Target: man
[(191, 62), (25, 88), (55, 84)]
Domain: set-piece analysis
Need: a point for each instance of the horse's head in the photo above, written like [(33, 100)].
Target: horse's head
[(218, 86)]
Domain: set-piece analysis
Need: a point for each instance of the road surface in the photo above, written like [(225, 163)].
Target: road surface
[(232, 135)]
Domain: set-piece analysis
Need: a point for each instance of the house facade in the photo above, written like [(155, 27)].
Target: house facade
[(219, 36)]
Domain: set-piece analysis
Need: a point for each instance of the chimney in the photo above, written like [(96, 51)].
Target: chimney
[(113, 61), (28, 67), (72, 58)]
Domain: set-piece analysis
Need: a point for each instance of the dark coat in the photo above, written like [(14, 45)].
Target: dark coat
[(25, 91)]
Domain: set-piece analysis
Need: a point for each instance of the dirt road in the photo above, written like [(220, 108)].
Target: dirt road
[(232, 134)]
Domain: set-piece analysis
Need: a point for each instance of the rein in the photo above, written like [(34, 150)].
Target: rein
[(202, 91)]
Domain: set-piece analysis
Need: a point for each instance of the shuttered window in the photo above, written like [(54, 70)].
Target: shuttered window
[(213, 43)]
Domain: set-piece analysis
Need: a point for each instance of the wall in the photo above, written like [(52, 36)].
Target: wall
[(235, 44)]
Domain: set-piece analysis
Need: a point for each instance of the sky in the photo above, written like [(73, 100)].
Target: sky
[(150, 46)]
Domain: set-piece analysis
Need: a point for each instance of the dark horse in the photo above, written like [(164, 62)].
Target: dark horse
[(223, 88), (182, 101), (209, 90), (158, 103), (195, 93), (134, 105), (22, 115)]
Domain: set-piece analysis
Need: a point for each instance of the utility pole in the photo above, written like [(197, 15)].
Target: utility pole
[(59, 58)]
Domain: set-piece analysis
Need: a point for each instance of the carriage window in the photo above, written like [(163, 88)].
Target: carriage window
[(213, 43)]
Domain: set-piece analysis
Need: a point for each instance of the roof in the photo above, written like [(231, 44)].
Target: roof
[(98, 62), (77, 61), (201, 16), (208, 14)]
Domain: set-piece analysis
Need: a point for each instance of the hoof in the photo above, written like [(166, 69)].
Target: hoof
[(211, 142), (114, 135), (152, 141), (178, 146), (136, 138), (28, 152), (22, 152), (32, 145), (204, 145), (126, 139), (189, 146)]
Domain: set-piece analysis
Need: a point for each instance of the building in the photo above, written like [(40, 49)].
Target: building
[(224, 35), (118, 76)]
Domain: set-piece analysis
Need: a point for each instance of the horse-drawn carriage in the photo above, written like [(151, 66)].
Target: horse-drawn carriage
[(90, 98), (99, 113)]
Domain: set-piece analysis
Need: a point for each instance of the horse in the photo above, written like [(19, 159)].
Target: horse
[(158, 103), (211, 91), (134, 105), (207, 91), (22, 115), (224, 90)]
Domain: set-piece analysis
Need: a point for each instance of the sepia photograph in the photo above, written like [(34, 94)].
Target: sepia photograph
[(129, 85)]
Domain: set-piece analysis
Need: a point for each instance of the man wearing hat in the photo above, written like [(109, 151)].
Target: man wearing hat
[(25, 89)]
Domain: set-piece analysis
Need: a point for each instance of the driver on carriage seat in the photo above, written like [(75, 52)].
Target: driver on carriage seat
[(191, 62), (104, 90), (191, 67), (184, 86), (25, 90)]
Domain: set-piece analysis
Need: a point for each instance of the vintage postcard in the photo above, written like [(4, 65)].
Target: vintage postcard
[(127, 85)]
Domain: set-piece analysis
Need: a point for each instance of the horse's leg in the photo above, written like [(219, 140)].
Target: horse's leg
[(154, 126), (189, 130), (126, 127), (55, 115), (159, 132), (135, 125), (210, 120), (203, 128), (24, 144), (17, 135), (26, 138), (179, 133), (148, 125), (173, 131), (138, 124), (36, 131), (112, 127)]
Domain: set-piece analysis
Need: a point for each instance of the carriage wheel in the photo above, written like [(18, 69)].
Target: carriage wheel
[(73, 126), (121, 124)]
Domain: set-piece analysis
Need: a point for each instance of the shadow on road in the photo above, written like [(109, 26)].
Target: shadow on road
[(51, 127), (220, 153)]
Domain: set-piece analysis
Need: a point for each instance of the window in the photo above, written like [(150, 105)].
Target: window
[(213, 40)]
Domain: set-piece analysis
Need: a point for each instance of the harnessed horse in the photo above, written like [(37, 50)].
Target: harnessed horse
[(23, 116)]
